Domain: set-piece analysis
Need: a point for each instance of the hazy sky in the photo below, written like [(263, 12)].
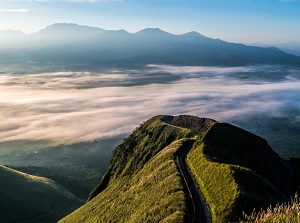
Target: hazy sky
[(244, 21)]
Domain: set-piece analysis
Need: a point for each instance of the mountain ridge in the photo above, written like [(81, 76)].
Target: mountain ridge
[(230, 185), (95, 46)]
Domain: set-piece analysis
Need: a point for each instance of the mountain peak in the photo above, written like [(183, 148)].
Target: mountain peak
[(193, 33), (152, 31), (274, 48), (69, 27)]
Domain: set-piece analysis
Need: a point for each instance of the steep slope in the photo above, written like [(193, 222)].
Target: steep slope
[(27, 198), (238, 171), (144, 184)]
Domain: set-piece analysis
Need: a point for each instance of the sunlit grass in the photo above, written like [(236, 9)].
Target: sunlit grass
[(154, 194), (145, 185), (229, 189), (281, 213), (216, 183)]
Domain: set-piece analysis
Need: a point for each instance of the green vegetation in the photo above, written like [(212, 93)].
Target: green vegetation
[(223, 167), (235, 170), (27, 198), (77, 167), (78, 186), (287, 212), (144, 184), (215, 182)]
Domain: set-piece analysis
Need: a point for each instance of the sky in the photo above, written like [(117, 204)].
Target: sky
[(244, 21)]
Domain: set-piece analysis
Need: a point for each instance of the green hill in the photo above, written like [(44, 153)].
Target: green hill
[(27, 198), (235, 170)]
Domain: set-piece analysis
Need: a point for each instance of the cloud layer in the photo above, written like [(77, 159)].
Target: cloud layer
[(15, 10), (69, 107)]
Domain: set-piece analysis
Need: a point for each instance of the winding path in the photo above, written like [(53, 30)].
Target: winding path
[(201, 212)]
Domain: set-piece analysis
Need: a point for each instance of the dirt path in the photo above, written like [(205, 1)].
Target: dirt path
[(200, 210)]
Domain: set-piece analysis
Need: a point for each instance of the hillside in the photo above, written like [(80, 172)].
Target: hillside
[(77, 167), (27, 198), (235, 170), (74, 44)]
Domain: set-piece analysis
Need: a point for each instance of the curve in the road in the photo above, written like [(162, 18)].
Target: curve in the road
[(201, 212)]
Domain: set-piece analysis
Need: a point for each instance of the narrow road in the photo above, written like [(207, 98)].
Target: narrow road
[(201, 212)]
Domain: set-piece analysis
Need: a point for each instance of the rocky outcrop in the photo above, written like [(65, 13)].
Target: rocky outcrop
[(196, 124)]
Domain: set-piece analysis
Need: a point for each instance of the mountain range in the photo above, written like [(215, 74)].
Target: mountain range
[(71, 43)]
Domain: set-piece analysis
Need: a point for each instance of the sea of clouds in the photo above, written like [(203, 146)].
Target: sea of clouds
[(68, 107)]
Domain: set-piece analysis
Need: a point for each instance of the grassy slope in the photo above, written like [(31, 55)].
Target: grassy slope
[(77, 167), (228, 186), (27, 198), (287, 212), (144, 184)]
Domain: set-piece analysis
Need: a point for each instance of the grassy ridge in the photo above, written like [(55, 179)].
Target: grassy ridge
[(155, 194), (32, 199), (144, 184), (215, 182), (229, 188), (232, 167)]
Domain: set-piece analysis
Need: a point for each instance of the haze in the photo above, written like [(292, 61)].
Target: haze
[(68, 107), (251, 21)]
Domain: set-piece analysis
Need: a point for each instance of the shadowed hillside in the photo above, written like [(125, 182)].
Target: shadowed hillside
[(235, 170), (27, 198)]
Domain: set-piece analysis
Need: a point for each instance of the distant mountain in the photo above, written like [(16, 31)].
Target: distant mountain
[(71, 43), (235, 170), (288, 47), (61, 34), (27, 198), (12, 38)]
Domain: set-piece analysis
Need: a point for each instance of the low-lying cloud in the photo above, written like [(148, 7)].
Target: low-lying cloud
[(67, 107)]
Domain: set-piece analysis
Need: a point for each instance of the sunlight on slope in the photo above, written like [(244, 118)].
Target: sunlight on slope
[(136, 199)]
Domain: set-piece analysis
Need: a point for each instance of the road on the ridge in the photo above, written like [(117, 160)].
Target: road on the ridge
[(201, 211)]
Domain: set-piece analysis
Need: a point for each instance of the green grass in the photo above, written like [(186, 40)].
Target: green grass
[(227, 181), (281, 213), (216, 183), (143, 183), (232, 167), (153, 194), (29, 198)]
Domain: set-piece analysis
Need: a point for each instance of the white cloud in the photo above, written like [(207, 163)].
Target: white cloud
[(53, 106), (15, 10)]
